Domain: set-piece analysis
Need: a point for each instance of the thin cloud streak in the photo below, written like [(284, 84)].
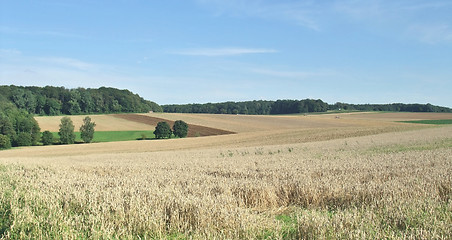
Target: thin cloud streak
[(69, 62), (431, 34), (216, 52), (293, 74), (300, 13), (59, 34)]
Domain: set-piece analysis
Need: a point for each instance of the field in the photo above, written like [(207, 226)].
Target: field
[(333, 176), (440, 121), (112, 136)]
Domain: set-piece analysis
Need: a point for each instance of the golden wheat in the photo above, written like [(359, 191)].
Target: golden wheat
[(391, 185)]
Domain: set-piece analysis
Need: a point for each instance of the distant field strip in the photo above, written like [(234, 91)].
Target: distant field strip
[(103, 123), (193, 130), (440, 121), (114, 136)]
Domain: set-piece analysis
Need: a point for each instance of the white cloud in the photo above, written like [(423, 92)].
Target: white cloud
[(21, 69), (215, 52)]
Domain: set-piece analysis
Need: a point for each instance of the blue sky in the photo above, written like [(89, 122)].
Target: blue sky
[(197, 51)]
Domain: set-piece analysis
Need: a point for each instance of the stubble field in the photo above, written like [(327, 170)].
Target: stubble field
[(359, 176)]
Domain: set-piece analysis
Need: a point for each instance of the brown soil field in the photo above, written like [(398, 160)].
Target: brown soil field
[(255, 123), (193, 129)]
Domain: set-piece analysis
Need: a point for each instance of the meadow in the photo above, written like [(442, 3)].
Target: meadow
[(113, 136), (355, 176), (441, 121)]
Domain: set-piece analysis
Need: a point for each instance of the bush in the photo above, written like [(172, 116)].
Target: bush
[(180, 128), (47, 138), (5, 143), (66, 132), (24, 139), (162, 130)]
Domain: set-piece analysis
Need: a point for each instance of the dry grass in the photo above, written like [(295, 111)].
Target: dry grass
[(363, 182)]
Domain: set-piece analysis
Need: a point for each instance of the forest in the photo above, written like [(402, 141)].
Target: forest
[(260, 107), (18, 105), (54, 101), (296, 106)]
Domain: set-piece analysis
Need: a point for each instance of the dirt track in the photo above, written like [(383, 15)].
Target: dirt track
[(193, 130)]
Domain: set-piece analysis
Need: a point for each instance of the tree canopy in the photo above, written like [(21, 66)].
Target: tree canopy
[(59, 100), (87, 129), (67, 135), (47, 138), (16, 123), (180, 129), (162, 130), (295, 106)]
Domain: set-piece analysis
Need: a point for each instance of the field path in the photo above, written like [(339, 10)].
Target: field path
[(193, 130)]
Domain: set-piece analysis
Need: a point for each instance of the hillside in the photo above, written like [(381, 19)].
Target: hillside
[(52, 101)]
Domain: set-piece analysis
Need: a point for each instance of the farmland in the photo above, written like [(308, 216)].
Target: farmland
[(353, 175)]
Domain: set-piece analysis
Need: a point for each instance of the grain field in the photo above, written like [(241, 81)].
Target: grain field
[(362, 181)]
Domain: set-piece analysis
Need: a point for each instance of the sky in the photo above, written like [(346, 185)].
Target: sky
[(198, 51)]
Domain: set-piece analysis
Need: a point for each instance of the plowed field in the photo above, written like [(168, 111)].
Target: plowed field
[(193, 130)]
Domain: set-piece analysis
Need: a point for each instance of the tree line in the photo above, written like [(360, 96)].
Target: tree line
[(53, 101), (260, 107), (295, 106), (393, 107)]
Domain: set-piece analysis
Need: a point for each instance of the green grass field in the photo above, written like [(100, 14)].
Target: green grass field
[(442, 121), (114, 136)]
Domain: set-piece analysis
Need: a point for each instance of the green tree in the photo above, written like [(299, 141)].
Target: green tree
[(87, 129), (180, 128), (5, 142), (52, 107), (162, 130), (47, 138), (7, 128), (24, 139), (66, 132)]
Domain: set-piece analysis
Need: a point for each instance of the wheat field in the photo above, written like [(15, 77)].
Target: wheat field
[(353, 178)]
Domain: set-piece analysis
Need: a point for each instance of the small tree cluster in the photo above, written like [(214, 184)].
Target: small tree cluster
[(163, 130), (66, 132), (18, 126)]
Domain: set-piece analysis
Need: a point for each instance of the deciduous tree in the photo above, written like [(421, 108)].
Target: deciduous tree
[(180, 128), (87, 130), (162, 130), (47, 138), (5, 142), (66, 132)]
